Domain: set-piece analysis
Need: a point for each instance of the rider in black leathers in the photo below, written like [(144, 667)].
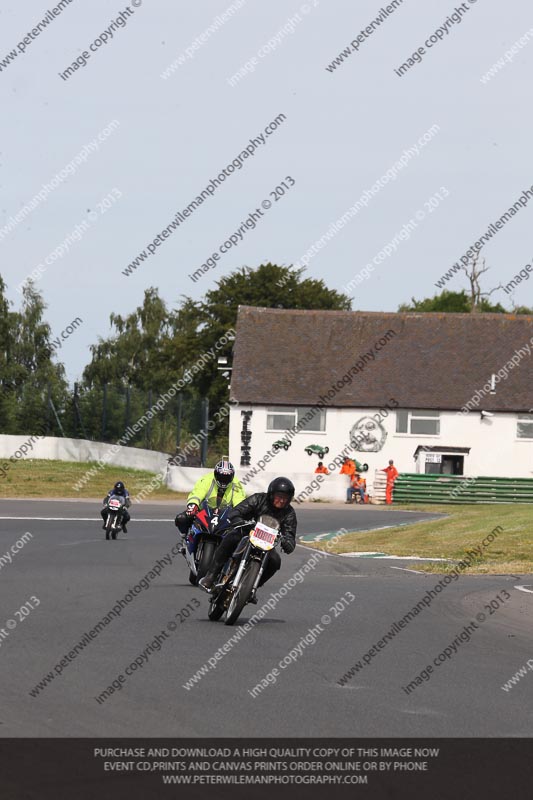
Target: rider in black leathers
[(276, 503), (120, 490)]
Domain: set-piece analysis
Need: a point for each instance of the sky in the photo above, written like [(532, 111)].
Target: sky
[(98, 163)]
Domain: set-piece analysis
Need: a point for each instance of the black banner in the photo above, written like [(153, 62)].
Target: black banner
[(131, 769)]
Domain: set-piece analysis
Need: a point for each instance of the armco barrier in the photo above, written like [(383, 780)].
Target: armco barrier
[(458, 489), (59, 449)]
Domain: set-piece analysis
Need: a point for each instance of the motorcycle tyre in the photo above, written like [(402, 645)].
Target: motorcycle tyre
[(240, 598), (216, 608), (202, 567)]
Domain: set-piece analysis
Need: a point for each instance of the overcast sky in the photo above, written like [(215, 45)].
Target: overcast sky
[(343, 129)]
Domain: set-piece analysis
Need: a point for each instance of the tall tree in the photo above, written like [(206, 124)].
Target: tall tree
[(267, 286), (133, 354), (29, 376)]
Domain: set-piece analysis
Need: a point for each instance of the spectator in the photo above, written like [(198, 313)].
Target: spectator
[(392, 474), (348, 467), (359, 484), (321, 468)]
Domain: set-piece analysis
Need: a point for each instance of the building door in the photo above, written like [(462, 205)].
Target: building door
[(452, 465)]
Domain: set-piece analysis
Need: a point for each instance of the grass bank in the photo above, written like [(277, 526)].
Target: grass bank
[(43, 478), (465, 527)]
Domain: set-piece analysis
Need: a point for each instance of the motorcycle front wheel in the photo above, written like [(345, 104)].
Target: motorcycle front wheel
[(241, 596), (206, 556), (216, 607)]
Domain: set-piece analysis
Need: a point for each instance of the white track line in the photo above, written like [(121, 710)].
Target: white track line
[(404, 569), (84, 519), (524, 589)]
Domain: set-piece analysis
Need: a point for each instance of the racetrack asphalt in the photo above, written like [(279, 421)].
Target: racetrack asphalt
[(77, 577)]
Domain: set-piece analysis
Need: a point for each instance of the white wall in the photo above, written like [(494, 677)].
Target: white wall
[(495, 449), (321, 487), (60, 449)]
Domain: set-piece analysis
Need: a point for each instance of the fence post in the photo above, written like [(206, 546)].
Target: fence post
[(104, 411), (149, 426), (79, 421), (180, 398), (128, 407), (205, 420)]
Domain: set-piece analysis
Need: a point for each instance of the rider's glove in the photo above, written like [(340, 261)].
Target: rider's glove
[(287, 545), (191, 509)]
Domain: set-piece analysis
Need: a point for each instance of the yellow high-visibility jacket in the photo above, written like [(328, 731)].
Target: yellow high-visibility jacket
[(206, 489)]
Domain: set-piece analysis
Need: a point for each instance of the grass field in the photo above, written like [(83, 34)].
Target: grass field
[(43, 478), (464, 529)]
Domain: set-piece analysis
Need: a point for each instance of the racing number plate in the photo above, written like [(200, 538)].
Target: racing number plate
[(266, 534)]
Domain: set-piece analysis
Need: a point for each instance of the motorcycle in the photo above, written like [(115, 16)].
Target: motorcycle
[(205, 534), (240, 576), (116, 506)]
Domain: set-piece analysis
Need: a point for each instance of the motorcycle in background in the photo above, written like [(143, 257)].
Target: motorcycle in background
[(205, 534), (241, 574), (116, 506)]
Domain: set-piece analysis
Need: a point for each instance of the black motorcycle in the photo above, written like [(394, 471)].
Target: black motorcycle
[(116, 507), (240, 576)]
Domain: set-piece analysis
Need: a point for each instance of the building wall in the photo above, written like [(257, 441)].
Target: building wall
[(495, 448)]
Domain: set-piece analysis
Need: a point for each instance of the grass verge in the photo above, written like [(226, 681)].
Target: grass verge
[(43, 478), (463, 529)]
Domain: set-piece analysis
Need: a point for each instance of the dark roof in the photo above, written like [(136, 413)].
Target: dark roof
[(438, 449), (430, 361)]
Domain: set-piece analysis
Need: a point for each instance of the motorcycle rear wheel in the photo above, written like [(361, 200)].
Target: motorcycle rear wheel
[(240, 598)]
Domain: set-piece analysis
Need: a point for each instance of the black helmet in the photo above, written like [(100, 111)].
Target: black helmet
[(280, 486), (224, 474), (119, 487)]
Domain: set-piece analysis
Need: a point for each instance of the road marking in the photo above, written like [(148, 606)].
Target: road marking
[(524, 588), (81, 541), (405, 569), (370, 554), (84, 519)]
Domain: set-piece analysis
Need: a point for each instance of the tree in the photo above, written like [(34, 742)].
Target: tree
[(133, 355), (451, 303), (153, 347), (473, 301), (268, 286), (473, 272), (29, 376)]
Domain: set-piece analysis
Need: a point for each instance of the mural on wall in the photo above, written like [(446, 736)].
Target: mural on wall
[(367, 435), (317, 449), (246, 438)]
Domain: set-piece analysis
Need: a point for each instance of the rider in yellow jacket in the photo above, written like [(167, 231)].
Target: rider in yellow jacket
[(219, 488)]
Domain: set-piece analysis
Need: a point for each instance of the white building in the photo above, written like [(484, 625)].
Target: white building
[(448, 393)]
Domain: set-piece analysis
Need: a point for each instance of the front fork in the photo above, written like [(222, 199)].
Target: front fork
[(242, 566)]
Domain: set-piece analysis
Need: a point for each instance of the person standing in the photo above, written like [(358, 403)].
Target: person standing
[(392, 474), (348, 468), (321, 469)]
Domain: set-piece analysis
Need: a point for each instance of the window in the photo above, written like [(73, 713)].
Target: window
[(282, 419), (418, 422), (524, 426)]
